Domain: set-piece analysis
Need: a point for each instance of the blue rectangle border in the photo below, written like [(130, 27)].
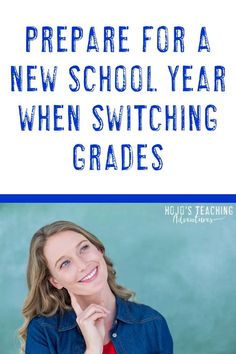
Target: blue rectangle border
[(117, 198)]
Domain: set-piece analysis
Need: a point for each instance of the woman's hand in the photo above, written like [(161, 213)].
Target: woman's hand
[(91, 324)]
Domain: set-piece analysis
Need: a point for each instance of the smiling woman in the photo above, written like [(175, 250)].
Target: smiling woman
[(74, 304)]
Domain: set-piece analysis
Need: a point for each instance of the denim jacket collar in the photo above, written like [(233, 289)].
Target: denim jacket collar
[(68, 320), (123, 312)]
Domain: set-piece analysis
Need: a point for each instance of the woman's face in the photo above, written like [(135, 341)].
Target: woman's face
[(75, 263)]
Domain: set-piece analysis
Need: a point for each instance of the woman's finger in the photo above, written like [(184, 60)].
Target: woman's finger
[(74, 303), (93, 317), (88, 312), (100, 307)]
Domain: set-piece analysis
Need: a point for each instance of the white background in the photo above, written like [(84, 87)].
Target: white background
[(194, 162)]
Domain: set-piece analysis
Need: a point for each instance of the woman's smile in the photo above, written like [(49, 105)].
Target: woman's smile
[(90, 276)]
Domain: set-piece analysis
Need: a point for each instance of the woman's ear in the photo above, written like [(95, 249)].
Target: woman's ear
[(55, 283)]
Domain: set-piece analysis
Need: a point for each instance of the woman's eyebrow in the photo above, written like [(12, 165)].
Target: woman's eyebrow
[(59, 259)]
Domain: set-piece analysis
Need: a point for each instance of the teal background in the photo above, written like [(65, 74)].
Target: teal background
[(185, 271)]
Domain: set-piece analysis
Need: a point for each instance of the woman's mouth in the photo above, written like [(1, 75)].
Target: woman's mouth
[(89, 277)]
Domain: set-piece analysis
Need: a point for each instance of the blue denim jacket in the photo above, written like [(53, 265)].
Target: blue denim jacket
[(137, 329)]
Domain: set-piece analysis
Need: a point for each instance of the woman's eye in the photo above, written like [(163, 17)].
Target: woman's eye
[(65, 264), (84, 248)]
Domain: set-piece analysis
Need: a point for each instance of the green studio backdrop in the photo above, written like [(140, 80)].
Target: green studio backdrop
[(185, 271)]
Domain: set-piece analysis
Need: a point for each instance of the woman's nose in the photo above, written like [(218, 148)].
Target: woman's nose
[(80, 264)]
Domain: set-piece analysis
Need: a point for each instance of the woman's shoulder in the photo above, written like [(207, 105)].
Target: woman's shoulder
[(47, 331), (58, 321), (145, 316)]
